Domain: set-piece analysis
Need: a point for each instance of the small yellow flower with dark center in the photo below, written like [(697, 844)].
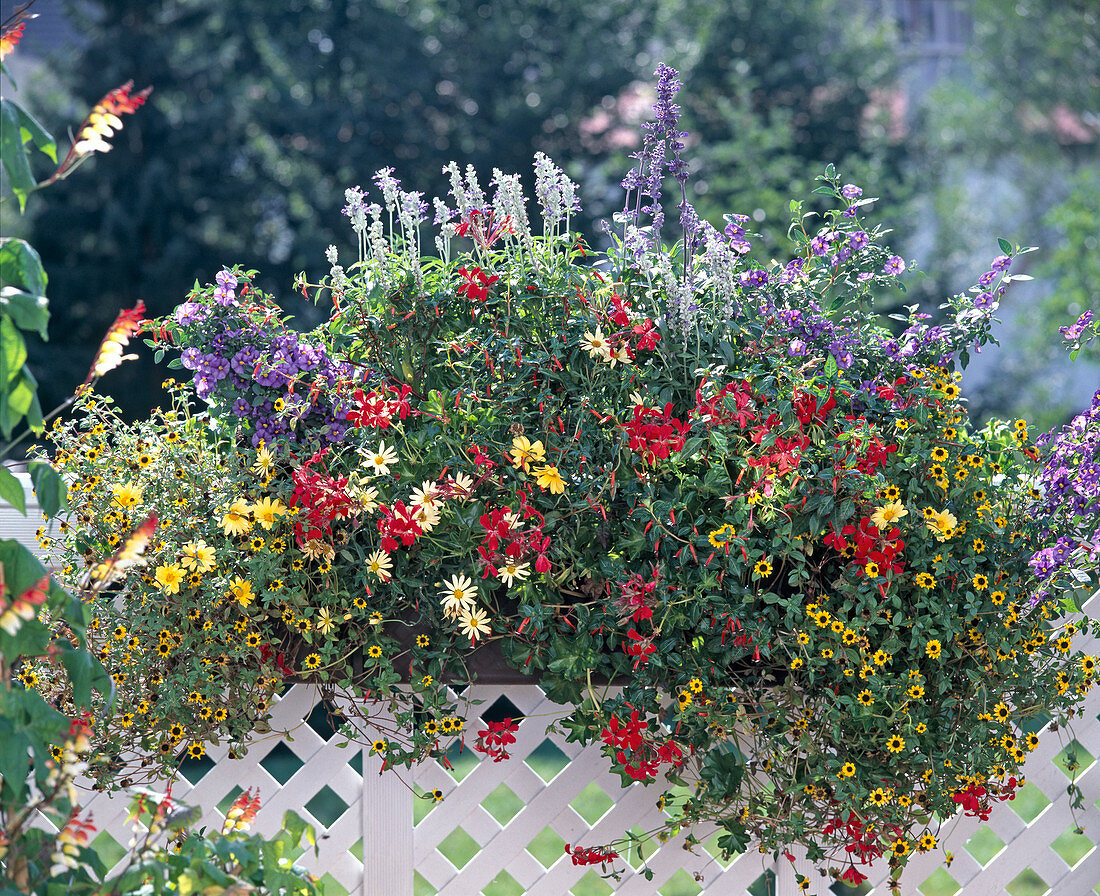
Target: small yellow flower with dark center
[(803, 638), (901, 847), (796, 663), (849, 637), (422, 640), (895, 744), (827, 653), (437, 795), (374, 651), (925, 580), (1063, 644), (684, 699), (312, 661), (379, 746), (1031, 742), (846, 771), (164, 648), (881, 657), (939, 454), (871, 569), (927, 843), (252, 640), (176, 731), (879, 797), (891, 493), (431, 727), (865, 698), (1088, 664), (979, 582), (426, 681), (979, 545), (762, 568), (695, 686), (359, 603), (144, 460), (998, 598), (196, 751), (933, 648), (1001, 712), (303, 626), (721, 536), (915, 691)]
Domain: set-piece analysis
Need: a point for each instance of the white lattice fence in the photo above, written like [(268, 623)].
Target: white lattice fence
[(501, 828)]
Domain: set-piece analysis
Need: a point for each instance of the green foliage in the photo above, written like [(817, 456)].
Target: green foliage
[(746, 508)]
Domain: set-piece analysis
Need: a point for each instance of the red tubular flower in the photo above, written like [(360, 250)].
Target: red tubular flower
[(853, 877), (641, 647), (590, 856)]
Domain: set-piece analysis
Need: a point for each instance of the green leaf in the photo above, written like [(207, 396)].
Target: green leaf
[(31, 131), (85, 672), (830, 367), (13, 351), (11, 490), (1005, 245), (49, 487), (21, 568), (13, 155), (27, 312)]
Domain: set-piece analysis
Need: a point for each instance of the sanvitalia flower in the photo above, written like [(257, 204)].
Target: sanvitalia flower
[(458, 596), (127, 494), (241, 591), (267, 511), (524, 451), (475, 624), (941, 524), (548, 477), (512, 571), (379, 461), (325, 622), (236, 521), (596, 344), (198, 557), (168, 578), (888, 514)]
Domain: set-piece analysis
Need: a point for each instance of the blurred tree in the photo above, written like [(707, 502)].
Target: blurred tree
[(1010, 147), (262, 115)]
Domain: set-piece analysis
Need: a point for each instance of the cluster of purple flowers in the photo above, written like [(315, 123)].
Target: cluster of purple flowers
[(1070, 504), (279, 386), (660, 154), (808, 327)]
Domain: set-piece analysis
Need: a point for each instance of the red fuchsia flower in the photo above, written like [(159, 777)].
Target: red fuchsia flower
[(641, 647), (494, 740), (376, 411), (718, 411), (637, 595), (590, 856), (324, 499), (624, 735), (646, 336), (808, 410), (853, 876), (655, 434), (484, 229), (477, 284), (397, 526)]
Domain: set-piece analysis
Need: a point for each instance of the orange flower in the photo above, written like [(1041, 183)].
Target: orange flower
[(110, 354), (10, 38)]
